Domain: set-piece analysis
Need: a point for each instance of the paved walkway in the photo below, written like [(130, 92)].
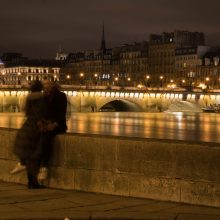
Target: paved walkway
[(18, 202)]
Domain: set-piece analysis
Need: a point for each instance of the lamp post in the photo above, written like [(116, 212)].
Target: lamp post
[(96, 78), (81, 75), (161, 81), (182, 82), (68, 78), (148, 80), (207, 79), (116, 80), (128, 81)]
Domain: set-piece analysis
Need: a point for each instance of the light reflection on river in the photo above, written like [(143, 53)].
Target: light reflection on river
[(179, 126)]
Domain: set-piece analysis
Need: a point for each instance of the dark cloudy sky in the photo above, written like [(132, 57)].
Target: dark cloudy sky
[(37, 27)]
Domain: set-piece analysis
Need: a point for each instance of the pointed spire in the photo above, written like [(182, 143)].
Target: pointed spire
[(103, 48), (60, 49)]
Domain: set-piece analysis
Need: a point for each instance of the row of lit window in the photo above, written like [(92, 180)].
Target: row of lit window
[(184, 65), (26, 70), (186, 58), (130, 55)]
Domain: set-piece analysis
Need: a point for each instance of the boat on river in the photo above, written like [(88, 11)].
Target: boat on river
[(212, 108)]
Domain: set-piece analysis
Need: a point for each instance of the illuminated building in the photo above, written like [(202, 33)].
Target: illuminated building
[(22, 72)]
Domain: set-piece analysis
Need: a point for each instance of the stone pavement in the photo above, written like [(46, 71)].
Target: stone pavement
[(18, 202)]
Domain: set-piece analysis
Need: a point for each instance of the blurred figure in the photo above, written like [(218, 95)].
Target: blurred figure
[(27, 142), (55, 107)]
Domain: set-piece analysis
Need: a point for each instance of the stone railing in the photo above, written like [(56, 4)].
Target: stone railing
[(165, 170)]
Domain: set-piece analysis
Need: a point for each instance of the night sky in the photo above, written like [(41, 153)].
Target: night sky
[(36, 28)]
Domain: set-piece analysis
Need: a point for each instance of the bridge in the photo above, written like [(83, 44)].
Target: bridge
[(85, 99)]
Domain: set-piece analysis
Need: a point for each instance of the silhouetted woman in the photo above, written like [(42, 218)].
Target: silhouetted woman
[(27, 142)]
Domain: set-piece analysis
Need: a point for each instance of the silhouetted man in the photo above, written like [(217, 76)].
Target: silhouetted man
[(55, 106)]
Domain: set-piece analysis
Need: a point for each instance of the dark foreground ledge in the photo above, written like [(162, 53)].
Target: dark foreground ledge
[(177, 171)]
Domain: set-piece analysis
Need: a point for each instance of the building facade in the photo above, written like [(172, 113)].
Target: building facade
[(162, 54), (187, 61), (179, 58), (23, 72)]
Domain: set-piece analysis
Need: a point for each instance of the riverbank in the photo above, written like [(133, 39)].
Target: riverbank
[(158, 169)]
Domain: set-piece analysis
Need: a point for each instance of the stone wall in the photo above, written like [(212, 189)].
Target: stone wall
[(158, 169)]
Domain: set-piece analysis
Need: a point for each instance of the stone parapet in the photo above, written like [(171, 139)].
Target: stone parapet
[(165, 170)]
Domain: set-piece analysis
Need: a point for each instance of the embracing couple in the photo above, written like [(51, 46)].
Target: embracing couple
[(45, 117)]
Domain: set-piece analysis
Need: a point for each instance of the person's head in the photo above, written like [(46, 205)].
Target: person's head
[(36, 86), (49, 86)]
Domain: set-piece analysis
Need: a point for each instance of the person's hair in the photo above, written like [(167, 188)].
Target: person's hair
[(36, 86)]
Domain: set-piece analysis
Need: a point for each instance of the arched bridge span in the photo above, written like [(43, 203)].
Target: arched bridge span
[(87, 101)]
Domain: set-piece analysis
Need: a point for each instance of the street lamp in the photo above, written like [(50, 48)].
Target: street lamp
[(68, 78), (161, 81), (81, 75), (207, 82), (128, 80), (96, 78), (182, 82), (148, 80), (116, 80)]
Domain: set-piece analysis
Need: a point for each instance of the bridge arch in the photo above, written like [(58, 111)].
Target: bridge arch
[(121, 105)]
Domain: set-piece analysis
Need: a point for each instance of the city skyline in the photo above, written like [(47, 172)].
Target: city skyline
[(39, 28)]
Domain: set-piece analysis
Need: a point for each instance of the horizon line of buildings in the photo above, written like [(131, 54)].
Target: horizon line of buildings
[(180, 58)]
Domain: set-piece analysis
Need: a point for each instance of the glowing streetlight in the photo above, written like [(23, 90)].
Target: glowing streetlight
[(161, 79), (81, 75), (207, 82), (207, 79), (96, 78)]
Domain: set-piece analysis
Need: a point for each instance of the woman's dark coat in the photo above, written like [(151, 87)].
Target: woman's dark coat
[(27, 141)]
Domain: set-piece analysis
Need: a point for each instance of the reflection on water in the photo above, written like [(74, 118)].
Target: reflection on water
[(179, 126)]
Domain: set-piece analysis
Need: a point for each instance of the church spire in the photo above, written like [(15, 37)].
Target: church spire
[(103, 48)]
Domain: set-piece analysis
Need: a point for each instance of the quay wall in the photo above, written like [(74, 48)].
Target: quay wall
[(165, 170)]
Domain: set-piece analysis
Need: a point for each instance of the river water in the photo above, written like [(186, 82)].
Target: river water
[(174, 126)]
